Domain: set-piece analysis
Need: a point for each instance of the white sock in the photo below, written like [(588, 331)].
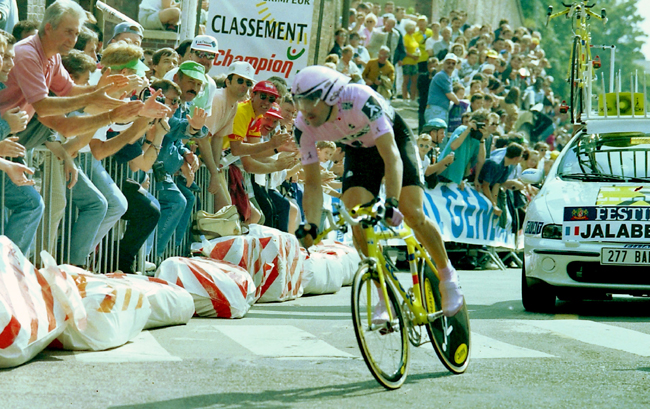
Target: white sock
[(448, 273)]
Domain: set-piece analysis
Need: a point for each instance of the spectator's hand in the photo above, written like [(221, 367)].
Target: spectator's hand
[(286, 162), (126, 113), (17, 173), (327, 176), (477, 185), (11, 148), (103, 102), (472, 125), (497, 212), (192, 160), (137, 83), (16, 119), (198, 120), (71, 172), (448, 160), (461, 185), (189, 175), (154, 109), (112, 82)]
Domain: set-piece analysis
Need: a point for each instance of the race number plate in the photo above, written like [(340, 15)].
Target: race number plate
[(622, 256)]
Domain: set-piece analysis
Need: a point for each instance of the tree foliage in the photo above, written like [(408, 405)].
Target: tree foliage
[(622, 30)]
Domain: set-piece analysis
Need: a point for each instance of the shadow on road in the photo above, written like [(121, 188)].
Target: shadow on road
[(273, 399)]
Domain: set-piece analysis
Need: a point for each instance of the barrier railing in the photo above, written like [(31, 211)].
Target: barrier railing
[(54, 231)]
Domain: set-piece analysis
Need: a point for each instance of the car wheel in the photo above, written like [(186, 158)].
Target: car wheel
[(536, 295)]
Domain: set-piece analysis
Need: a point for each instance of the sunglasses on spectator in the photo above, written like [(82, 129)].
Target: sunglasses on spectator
[(271, 98), (249, 83), (175, 101), (204, 54)]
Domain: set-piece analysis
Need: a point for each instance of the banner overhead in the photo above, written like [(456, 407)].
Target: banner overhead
[(273, 35)]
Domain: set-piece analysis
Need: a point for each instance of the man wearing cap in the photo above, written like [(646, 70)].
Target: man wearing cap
[(239, 80), (128, 32), (490, 59), (244, 141), (175, 197), (440, 91), (203, 50)]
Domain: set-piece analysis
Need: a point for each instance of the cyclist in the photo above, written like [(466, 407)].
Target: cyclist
[(379, 145)]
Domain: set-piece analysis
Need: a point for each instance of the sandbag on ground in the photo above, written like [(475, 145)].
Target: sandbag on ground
[(219, 289), (170, 303)]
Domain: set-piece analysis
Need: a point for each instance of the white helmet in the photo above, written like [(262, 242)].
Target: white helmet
[(316, 83)]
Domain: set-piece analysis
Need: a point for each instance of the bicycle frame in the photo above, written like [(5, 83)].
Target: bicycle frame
[(375, 258)]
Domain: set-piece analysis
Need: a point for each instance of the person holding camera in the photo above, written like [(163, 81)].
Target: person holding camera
[(468, 146)]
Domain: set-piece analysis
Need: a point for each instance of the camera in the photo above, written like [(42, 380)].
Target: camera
[(476, 133), (147, 92)]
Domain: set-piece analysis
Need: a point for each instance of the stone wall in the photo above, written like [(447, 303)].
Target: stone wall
[(482, 11)]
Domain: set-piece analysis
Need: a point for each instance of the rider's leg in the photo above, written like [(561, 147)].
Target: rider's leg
[(427, 233), (352, 197)]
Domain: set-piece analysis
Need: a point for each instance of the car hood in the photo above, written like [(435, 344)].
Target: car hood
[(558, 193)]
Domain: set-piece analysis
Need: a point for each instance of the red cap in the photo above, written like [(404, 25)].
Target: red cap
[(274, 111), (267, 87)]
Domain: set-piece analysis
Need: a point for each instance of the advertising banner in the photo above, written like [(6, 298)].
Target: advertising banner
[(272, 35), (465, 216), (607, 223)]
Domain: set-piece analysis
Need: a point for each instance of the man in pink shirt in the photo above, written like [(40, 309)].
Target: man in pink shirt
[(36, 74)]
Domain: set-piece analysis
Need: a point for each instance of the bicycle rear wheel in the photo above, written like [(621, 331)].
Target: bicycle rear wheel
[(576, 81), (450, 336), (384, 347)]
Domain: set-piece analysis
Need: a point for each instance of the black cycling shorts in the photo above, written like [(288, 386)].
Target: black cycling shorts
[(364, 167)]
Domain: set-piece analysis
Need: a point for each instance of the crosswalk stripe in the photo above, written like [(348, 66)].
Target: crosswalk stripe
[(596, 333), (281, 341), (143, 348), (490, 348)]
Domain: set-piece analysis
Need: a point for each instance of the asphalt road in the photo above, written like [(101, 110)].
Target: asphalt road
[(304, 354)]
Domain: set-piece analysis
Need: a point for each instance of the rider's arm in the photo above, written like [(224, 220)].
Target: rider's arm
[(393, 167), (312, 199)]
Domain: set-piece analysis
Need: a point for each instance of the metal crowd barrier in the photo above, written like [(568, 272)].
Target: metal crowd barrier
[(53, 233)]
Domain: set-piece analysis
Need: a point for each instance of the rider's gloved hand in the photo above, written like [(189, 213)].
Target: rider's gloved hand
[(393, 216), (306, 233)]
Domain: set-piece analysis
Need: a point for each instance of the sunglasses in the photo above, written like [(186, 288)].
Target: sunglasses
[(249, 83), (175, 101), (204, 54), (271, 98)]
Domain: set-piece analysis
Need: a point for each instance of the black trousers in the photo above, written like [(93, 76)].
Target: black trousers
[(142, 216), (274, 206)]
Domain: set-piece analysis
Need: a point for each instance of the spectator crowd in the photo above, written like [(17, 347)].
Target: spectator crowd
[(128, 129)]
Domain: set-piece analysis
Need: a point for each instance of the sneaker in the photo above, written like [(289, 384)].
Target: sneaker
[(452, 297), (380, 314)]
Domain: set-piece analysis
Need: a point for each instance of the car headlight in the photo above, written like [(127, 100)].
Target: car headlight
[(552, 231)]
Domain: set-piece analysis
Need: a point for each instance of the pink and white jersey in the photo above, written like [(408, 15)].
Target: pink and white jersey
[(363, 116)]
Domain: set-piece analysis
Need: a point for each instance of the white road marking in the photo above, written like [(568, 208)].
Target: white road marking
[(143, 348), (484, 347), (281, 341), (289, 313), (596, 333)]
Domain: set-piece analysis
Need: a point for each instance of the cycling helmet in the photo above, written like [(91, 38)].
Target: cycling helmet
[(318, 83)]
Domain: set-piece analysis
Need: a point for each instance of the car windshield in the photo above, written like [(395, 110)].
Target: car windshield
[(612, 157)]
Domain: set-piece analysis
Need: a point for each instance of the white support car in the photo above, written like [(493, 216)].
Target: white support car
[(587, 232)]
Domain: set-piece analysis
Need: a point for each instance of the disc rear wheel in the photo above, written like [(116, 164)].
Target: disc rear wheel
[(450, 336)]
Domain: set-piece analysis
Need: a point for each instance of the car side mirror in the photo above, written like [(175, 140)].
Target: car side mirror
[(532, 176)]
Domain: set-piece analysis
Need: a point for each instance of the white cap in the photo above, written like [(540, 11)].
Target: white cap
[(205, 43), (450, 56), (243, 69)]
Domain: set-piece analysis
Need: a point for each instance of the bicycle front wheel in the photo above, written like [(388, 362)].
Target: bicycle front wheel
[(450, 336), (576, 81), (384, 345)]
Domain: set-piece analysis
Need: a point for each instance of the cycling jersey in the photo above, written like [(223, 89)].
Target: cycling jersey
[(363, 116)]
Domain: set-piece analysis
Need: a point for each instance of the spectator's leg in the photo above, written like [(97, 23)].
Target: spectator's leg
[(222, 197), (405, 84), (170, 16), (172, 204), (116, 202), (257, 217), (27, 210), (92, 210), (294, 217), (282, 209), (143, 216), (53, 192), (181, 228), (265, 205), (152, 236), (414, 88)]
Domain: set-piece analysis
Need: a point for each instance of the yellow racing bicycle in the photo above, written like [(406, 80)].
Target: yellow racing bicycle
[(384, 345)]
